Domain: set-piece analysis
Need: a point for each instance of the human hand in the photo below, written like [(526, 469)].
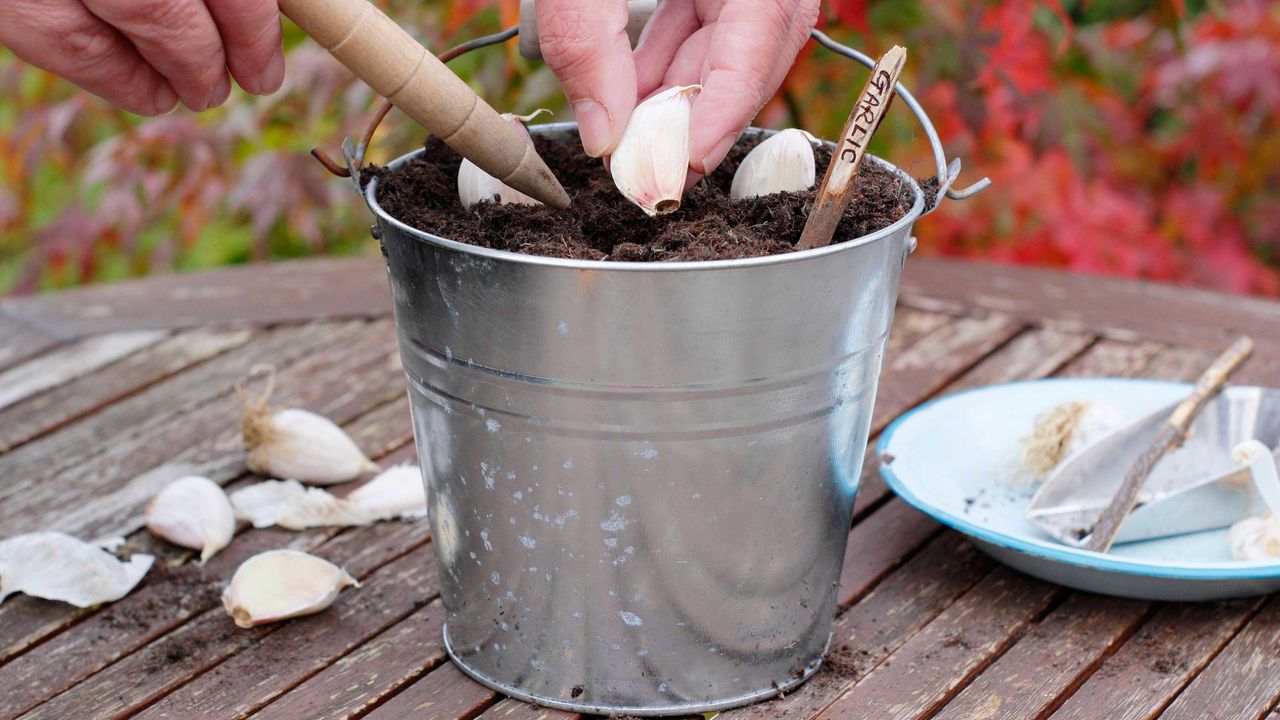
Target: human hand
[(738, 50), (146, 55)]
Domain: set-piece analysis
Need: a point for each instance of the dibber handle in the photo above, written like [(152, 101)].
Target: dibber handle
[(388, 59)]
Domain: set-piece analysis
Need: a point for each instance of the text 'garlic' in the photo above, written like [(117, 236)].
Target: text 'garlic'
[(281, 584), (395, 493), (476, 185), (192, 512), (298, 444), (781, 163), (651, 161), (56, 566)]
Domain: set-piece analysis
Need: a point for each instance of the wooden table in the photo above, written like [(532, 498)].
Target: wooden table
[(102, 385)]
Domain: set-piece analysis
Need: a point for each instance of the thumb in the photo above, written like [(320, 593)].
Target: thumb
[(586, 45)]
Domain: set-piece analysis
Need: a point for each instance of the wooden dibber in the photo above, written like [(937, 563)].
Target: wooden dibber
[(1171, 435), (837, 184), (399, 68)]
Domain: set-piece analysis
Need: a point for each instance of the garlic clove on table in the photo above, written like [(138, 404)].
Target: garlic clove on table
[(783, 162), (281, 584), (56, 566), (651, 161), (192, 512), (397, 492)]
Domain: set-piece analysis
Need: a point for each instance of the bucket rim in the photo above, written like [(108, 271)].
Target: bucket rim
[(905, 222)]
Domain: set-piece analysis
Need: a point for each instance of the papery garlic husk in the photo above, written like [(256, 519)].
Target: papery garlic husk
[(281, 584), (1256, 538), (193, 512), (394, 493), (1065, 430), (56, 566), (781, 163), (298, 444), (651, 161), (476, 185)]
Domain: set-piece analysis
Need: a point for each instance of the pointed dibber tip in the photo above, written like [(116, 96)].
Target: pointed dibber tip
[(533, 178)]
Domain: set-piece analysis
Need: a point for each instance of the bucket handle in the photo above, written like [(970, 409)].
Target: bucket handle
[(354, 153), (946, 172)]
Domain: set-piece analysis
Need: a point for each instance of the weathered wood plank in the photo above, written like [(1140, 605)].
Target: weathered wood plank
[(339, 383), (880, 623), (1122, 309), (71, 361), (444, 693), (1243, 681), (1041, 667), (56, 407), (367, 677), (1137, 682), (174, 592), (394, 583), (260, 294), (918, 679), (508, 709), (878, 544), (20, 341)]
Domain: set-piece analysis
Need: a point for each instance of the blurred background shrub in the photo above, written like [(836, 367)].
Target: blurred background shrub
[(1125, 137)]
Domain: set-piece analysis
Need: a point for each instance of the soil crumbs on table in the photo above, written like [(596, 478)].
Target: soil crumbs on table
[(603, 225)]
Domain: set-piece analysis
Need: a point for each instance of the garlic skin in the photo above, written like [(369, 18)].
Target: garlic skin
[(651, 161), (782, 163), (397, 492), (193, 512), (476, 185), (1065, 430), (1255, 539), (56, 566), (301, 445), (281, 584)]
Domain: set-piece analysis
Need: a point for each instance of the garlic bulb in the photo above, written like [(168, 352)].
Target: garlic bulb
[(56, 566), (1255, 538), (475, 185), (193, 512), (651, 161), (298, 444), (281, 584), (782, 163), (396, 492)]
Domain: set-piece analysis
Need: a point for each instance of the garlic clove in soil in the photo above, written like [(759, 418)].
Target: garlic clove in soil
[(476, 185), (281, 584), (193, 512), (56, 566), (297, 444), (782, 163), (651, 161)]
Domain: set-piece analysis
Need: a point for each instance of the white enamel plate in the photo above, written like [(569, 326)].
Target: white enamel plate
[(958, 459)]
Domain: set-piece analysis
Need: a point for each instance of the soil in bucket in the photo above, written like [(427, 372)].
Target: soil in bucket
[(602, 225)]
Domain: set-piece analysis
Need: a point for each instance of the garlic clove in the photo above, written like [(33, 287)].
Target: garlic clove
[(56, 566), (301, 445), (396, 492), (782, 163), (651, 161), (193, 512), (281, 584), (476, 185), (260, 503), (1255, 539)]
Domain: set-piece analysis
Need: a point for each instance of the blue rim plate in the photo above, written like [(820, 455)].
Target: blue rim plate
[(968, 443)]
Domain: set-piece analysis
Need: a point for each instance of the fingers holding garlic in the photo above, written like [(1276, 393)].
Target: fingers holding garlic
[(651, 161)]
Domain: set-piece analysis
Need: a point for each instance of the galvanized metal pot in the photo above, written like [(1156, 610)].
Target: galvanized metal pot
[(641, 475)]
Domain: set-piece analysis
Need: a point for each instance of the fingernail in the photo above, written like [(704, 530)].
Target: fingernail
[(221, 92), (593, 126), (713, 158), (272, 76), (166, 100)]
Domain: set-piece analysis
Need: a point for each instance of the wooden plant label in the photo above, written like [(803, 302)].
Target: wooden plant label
[(837, 185)]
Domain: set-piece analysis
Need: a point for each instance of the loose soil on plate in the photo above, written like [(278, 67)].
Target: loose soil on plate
[(602, 225)]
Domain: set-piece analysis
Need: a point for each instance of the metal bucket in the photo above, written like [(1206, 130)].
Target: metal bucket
[(641, 475)]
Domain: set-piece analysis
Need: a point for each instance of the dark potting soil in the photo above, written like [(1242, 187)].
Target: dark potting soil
[(602, 225)]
